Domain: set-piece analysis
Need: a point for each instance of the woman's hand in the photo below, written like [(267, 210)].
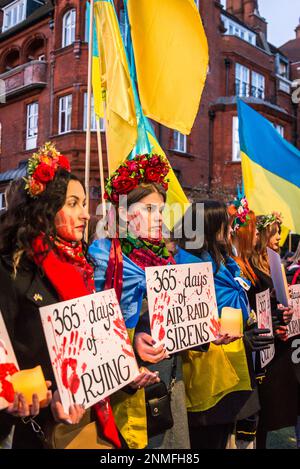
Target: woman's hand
[(287, 313), (226, 339), (76, 411), (144, 346), (282, 333), (21, 408), (145, 378)]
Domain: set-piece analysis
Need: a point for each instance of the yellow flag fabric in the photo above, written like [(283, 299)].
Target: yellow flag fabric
[(171, 57), (121, 128), (210, 376), (177, 201), (271, 168)]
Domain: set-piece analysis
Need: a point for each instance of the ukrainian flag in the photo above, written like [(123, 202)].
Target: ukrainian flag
[(270, 166)]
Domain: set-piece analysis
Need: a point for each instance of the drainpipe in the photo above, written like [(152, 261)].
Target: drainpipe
[(227, 67)]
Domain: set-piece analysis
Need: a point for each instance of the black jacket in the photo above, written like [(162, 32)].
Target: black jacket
[(20, 300)]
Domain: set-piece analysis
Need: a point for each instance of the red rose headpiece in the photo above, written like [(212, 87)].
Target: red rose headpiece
[(132, 173), (42, 167)]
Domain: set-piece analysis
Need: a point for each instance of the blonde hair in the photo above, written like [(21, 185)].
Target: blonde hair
[(259, 257)]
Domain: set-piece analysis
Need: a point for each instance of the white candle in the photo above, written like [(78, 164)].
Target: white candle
[(231, 321)]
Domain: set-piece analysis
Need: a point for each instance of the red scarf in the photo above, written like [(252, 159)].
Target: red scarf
[(72, 276)]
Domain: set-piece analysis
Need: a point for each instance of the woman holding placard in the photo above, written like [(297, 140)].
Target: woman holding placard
[(218, 383), (141, 184), (279, 390), (43, 261)]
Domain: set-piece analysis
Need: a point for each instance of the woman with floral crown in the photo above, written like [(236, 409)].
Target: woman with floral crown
[(43, 260), (121, 263), (279, 390)]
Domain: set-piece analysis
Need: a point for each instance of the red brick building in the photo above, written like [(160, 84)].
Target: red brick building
[(43, 68)]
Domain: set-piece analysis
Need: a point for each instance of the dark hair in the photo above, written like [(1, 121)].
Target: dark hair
[(215, 219), (143, 190), (30, 217)]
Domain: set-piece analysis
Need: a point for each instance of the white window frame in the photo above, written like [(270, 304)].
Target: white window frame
[(69, 27), (242, 80), (65, 114), (32, 125), (236, 148), (2, 201), (93, 117), (13, 14), (258, 85), (235, 29), (180, 142)]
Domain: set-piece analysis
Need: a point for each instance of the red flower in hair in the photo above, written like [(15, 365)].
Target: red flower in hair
[(64, 163), (36, 187), (123, 184), (44, 173), (153, 174)]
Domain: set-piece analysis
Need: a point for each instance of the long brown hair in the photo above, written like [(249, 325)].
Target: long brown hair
[(259, 256)]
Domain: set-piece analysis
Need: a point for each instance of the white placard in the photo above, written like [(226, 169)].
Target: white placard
[(182, 305), (89, 346), (8, 366), (264, 321), (294, 325)]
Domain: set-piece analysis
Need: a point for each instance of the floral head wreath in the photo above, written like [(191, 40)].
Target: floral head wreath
[(265, 220), (241, 213), (130, 174), (42, 167)]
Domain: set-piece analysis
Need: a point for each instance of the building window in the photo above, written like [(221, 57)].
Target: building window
[(258, 85), (179, 142), (2, 201), (283, 69), (69, 27), (93, 117), (235, 29), (236, 149), (280, 129), (65, 114), (32, 125), (14, 14), (242, 80)]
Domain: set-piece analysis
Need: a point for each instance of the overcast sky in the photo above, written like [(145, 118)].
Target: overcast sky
[(282, 16)]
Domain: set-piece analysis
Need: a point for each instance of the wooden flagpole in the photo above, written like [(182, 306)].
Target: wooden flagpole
[(89, 110), (100, 156)]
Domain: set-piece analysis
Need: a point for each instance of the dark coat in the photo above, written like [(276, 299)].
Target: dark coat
[(279, 391), (20, 300)]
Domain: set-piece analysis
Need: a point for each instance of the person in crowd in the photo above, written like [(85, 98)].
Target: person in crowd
[(120, 263), (279, 390), (43, 260), (220, 382)]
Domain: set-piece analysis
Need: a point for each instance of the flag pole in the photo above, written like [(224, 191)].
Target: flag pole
[(100, 156), (89, 112)]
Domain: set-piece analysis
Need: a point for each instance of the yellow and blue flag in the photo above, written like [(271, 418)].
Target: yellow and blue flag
[(271, 168), (121, 129), (171, 57)]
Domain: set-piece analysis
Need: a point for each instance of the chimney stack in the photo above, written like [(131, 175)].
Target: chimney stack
[(298, 30), (247, 11)]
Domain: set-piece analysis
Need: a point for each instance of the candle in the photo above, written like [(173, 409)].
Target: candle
[(29, 382), (231, 322)]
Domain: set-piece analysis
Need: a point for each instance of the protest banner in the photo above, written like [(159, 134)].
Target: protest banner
[(264, 321), (294, 325), (8, 366), (182, 305), (90, 349)]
